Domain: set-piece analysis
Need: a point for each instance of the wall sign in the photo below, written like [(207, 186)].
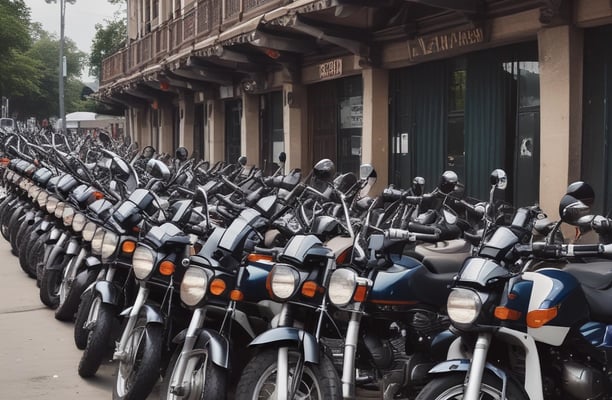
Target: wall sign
[(330, 69), (441, 42)]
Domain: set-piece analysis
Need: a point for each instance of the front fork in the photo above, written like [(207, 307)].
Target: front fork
[(477, 366), (70, 273), (350, 351), (141, 298), (177, 386)]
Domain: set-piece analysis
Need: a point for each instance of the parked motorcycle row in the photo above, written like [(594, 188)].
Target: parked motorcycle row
[(223, 282)]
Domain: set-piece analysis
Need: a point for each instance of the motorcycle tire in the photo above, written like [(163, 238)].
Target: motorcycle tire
[(17, 238), (138, 374), (319, 381), (13, 227), (50, 283), (4, 221), (99, 341), (80, 333), (25, 249), (69, 301), (39, 259), (451, 386), (206, 380)]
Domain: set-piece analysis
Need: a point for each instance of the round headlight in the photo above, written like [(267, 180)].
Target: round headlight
[(33, 191), (109, 244), (193, 286), (51, 204), (96, 242), (142, 262), (68, 215), (283, 281), (59, 209), (41, 199), (89, 231), (78, 222), (463, 306), (342, 286)]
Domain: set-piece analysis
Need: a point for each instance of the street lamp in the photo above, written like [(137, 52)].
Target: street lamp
[(62, 63)]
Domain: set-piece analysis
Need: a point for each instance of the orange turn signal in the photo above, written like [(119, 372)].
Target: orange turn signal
[(128, 246), (98, 195), (310, 289), (539, 318), (255, 257), (217, 286), (166, 268), (505, 313), (236, 295), (360, 293)]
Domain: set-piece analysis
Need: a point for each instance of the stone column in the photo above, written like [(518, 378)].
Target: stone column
[(560, 60), (295, 111), (249, 129), (215, 131), (186, 111), (375, 128)]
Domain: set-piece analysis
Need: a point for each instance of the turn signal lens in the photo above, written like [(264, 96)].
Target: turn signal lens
[(505, 313), (360, 293), (236, 295), (539, 318), (254, 257), (166, 268), (310, 289), (217, 287), (128, 247)]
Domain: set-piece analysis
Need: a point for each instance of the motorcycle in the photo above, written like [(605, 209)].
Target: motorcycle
[(530, 334)]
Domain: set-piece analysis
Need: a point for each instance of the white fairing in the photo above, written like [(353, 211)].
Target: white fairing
[(542, 286)]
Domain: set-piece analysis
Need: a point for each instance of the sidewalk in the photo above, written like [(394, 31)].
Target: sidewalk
[(38, 357)]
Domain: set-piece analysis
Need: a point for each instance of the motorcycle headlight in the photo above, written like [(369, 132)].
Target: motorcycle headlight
[(463, 306), (41, 199), (59, 209), (51, 204), (109, 244), (68, 215), (342, 285), (33, 192), (78, 222), (142, 262), (89, 231), (193, 286), (96, 242), (283, 281)]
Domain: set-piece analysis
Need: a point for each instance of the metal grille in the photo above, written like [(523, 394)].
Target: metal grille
[(204, 23), (250, 4), (189, 25), (232, 8)]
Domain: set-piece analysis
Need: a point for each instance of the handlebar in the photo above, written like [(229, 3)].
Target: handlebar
[(544, 250), (402, 234)]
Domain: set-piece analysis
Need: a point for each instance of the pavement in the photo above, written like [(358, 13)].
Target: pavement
[(38, 358)]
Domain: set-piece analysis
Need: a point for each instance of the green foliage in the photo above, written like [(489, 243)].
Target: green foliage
[(109, 38)]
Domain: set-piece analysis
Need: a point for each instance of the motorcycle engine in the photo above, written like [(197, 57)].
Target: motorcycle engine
[(581, 381)]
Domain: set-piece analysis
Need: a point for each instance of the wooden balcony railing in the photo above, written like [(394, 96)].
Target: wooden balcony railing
[(205, 18)]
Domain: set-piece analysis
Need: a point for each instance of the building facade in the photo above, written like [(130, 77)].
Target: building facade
[(413, 87)]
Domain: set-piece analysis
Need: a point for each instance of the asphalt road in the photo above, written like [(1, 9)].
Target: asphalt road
[(38, 358)]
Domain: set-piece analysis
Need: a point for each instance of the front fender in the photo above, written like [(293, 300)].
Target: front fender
[(53, 262), (292, 335), (108, 292), (463, 365), (73, 247), (152, 314), (93, 262), (217, 345)]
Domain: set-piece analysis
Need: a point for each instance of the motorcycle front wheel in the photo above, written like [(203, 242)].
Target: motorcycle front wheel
[(258, 380), (81, 333), (451, 387), (203, 379), (138, 373), (99, 341)]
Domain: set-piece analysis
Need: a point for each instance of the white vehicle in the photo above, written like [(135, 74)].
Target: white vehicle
[(7, 124)]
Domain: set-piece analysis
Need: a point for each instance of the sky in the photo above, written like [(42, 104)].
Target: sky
[(80, 20)]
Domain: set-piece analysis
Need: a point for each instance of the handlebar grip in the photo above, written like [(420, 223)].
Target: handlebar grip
[(420, 228), (397, 234)]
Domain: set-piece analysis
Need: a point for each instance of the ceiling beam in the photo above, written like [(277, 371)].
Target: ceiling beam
[(464, 6)]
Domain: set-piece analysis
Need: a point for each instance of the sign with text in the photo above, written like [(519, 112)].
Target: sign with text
[(441, 42), (330, 69)]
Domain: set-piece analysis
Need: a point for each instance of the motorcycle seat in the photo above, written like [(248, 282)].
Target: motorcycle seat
[(596, 281)]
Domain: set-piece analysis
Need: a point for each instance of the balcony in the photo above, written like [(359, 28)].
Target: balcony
[(202, 19)]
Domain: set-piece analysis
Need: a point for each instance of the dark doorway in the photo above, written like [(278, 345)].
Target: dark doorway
[(233, 114), (272, 133), (199, 126)]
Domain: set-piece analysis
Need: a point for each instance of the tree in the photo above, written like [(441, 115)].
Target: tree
[(109, 38)]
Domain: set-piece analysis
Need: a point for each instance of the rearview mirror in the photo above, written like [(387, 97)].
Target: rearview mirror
[(158, 169)]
